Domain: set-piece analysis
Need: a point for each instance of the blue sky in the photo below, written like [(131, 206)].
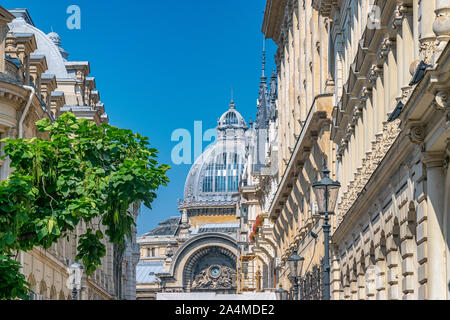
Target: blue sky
[(161, 65)]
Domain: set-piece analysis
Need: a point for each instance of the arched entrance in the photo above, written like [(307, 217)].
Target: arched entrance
[(206, 263), (211, 269)]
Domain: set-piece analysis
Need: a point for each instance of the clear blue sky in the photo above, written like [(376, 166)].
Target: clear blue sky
[(161, 65)]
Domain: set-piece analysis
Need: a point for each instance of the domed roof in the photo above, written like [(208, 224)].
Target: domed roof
[(215, 175), (232, 119), (45, 46)]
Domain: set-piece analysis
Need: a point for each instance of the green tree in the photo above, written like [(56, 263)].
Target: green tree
[(81, 172)]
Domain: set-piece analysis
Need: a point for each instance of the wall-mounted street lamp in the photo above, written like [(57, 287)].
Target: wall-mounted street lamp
[(295, 263), (326, 191)]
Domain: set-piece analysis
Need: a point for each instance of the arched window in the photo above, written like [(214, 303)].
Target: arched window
[(222, 174), (231, 118), (221, 165), (233, 173), (208, 179)]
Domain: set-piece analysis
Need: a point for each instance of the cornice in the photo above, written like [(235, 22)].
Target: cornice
[(318, 116)]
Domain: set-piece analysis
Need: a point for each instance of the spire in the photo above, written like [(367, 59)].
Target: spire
[(263, 76), (263, 112), (232, 105), (274, 75)]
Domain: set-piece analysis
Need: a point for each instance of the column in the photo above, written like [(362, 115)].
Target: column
[(393, 73), (380, 263), (370, 276), (353, 285), (436, 246), (347, 293), (361, 280), (308, 57), (295, 62), (409, 278), (426, 35), (380, 102), (335, 281), (392, 260), (408, 50), (441, 26), (399, 42)]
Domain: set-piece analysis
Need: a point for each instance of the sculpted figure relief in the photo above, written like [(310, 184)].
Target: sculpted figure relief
[(215, 277)]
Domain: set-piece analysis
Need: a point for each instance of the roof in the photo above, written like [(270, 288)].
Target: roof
[(45, 46), (168, 227), (22, 13), (217, 227), (223, 158), (146, 271)]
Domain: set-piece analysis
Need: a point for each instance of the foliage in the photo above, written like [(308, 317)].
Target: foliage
[(256, 226), (81, 173), (12, 282)]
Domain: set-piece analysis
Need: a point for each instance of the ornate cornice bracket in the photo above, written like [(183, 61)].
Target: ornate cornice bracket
[(401, 10), (441, 101), (416, 132)]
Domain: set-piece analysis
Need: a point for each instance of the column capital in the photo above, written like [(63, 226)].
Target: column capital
[(434, 159), (402, 9)]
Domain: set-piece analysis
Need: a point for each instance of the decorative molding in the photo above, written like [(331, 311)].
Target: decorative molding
[(380, 147), (427, 50), (406, 91), (434, 159), (215, 277), (386, 47), (400, 12), (441, 101), (416, 133)]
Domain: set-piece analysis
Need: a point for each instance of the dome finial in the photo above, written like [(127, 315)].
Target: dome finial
[(232, 105), (55, 38)]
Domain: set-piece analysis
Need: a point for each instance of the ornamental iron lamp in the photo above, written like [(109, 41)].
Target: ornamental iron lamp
[(75, 272), (326, 191), (281, 293), (295, 263)]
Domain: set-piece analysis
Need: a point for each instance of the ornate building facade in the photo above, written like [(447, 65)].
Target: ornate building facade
[(38, 81), (259, 184), (362, 88), (197, 251)]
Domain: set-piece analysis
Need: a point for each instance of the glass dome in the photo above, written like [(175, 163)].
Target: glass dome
[(215, 175)]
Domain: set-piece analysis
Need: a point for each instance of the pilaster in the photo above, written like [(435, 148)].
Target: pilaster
[(436, 271)]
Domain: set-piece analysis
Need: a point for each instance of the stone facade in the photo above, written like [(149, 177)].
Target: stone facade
[(362, 87), (35, 72)]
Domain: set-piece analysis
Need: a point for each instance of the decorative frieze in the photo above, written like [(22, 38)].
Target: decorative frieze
[(406, 91), (380, 147), (427, 49)]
